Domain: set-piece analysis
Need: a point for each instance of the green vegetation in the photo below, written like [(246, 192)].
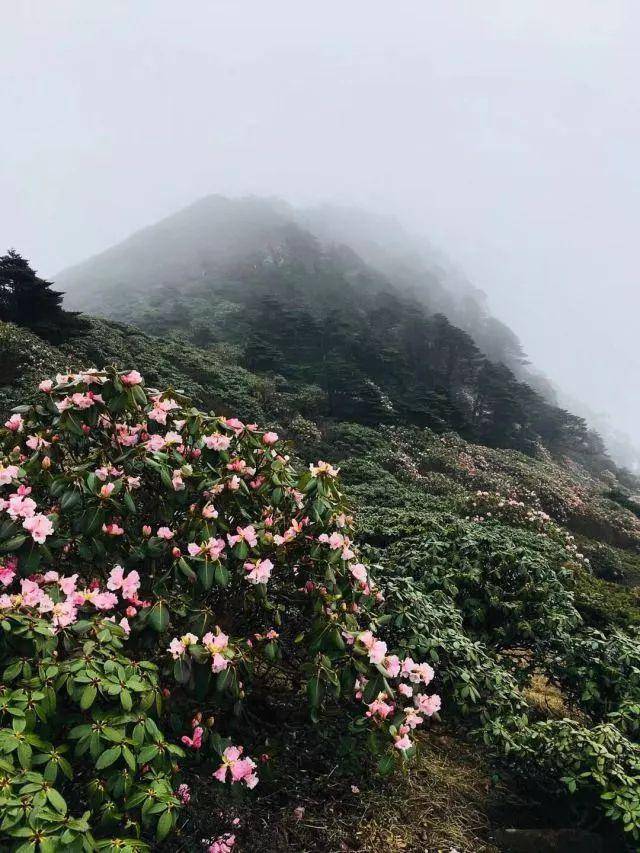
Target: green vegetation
[(482, 561), (503, 542)]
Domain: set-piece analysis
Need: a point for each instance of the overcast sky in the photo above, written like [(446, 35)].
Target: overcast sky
[(508, 132)]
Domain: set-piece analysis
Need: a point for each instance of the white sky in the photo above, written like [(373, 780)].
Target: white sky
[(508, 131)]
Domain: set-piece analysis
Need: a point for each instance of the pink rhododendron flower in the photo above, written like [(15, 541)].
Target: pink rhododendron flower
[(7, 574), (165, 533), (184, 794), (36, 442), (359, 572), (421, 672), (19, 506), (30, 592), (337, 541), (112, 529), (392, 664), (377, 648), (380, 707), (15, 423), (105, 491), (323, 468), (39, 526), (45, 604), (233, 424), (209, 511), (222, 844), (408, 666), (178, 647), (270, 437), (131, 378), (46, 385), (213, 548), (259, 571), (246, 534), (161, 409), (130, 585), (403, 743), (64, 614), (104, 600), (67, 584), (238, 768), (215, 642), (8, 474), (195, 742), (154, 443), (217, 441), (428, 705), (176, 481), (218, 663)]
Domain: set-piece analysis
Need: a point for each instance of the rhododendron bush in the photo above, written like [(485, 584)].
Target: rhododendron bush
[(164, 575)]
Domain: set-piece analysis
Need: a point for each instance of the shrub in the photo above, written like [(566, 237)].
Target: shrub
[(597, 672), (128, 518), (510, 585), (599, 760)]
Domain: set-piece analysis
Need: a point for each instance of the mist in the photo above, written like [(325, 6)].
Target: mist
[(505, 134)]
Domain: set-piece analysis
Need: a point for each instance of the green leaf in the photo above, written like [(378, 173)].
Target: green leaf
[(386, 765), (70, 500), (24, 754), (206, 574), (107, 758), (57, 800), (186, 569), (182, 670), (88, 697), (159, 617), (12, 544), (165, 825), (313, 692), (221, 575)]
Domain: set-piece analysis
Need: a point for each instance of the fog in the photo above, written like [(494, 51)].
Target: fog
[(505, 132)]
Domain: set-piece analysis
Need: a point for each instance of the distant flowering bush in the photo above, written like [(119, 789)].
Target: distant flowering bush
[(488, 505), (159, 563)]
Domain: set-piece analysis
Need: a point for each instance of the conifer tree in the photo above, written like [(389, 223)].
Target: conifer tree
[(28, 300)]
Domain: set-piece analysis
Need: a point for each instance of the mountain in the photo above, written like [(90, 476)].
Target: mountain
[(516, 573), (505, 542), (367, 328)]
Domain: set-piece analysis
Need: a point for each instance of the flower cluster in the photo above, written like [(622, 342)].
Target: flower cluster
[(237, 769), (58, 598), (487, 505), (194, 532), (406, 708)]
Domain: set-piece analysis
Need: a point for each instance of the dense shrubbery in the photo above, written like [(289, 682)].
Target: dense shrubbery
[(128, 518), (507, 588), (143, 642)]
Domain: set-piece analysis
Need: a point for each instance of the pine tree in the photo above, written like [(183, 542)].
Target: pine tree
[(28, 300)]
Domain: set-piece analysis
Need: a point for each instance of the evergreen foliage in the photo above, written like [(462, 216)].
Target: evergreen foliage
[(28, 300)]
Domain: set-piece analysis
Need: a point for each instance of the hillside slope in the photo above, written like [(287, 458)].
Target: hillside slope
[(245, 277), (473, 547)]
